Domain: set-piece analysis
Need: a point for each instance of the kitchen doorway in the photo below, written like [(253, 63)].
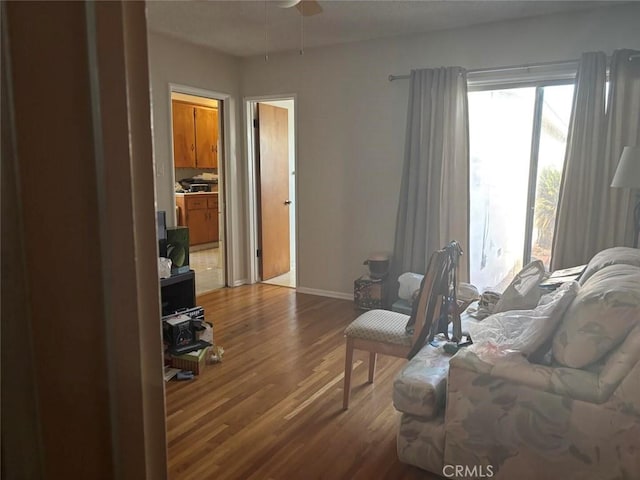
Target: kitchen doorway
[(272, 167), (198, 161)]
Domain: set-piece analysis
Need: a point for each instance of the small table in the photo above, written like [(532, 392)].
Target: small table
[(370, 293)]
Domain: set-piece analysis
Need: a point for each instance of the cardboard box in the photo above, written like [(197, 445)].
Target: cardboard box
[(178, 331), (193, 361)]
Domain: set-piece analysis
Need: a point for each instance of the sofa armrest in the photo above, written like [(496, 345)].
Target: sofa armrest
[(419, 389)]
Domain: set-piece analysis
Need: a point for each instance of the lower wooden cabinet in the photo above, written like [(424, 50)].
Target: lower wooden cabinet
[(199, 212)]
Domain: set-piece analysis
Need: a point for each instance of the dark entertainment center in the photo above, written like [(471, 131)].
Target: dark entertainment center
[(178, 291)]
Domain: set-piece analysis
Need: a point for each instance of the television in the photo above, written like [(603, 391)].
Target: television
[(161, 230)]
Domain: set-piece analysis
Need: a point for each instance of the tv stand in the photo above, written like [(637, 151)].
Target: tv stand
[(178, 292)]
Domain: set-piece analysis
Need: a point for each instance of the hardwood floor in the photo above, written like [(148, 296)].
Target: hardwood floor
[(273, 408)]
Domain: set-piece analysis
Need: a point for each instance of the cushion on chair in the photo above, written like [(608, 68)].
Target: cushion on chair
[(610, 256), (602, 314), (409, 282), (380, 326)]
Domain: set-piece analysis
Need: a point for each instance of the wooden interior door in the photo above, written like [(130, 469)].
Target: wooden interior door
[(184, 141), (273, 190), (206, 137)]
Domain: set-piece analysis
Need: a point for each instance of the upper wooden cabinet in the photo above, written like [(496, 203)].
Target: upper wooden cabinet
[(206, 137), (184, 138), (195, 135)]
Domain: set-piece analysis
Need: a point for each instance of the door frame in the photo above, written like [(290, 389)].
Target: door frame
[(229, 177), (252, 197)]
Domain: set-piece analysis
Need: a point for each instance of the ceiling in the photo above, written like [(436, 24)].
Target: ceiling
[(238, 27)]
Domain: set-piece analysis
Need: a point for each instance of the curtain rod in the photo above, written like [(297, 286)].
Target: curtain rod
[(514, 67)]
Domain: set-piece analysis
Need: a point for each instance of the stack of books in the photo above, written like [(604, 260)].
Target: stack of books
[(559, 277)]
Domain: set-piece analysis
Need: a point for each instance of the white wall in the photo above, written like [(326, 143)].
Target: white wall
[(352, 120), (172, 61)]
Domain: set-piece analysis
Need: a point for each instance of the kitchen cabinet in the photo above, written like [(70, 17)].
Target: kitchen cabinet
[(199, 212), (206, 137), (195, 135), (184, 142)]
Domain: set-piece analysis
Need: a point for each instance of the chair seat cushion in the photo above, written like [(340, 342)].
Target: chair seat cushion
[(420, 387), (380, 326)]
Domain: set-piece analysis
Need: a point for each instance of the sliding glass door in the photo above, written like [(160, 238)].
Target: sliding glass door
[(517, 143)]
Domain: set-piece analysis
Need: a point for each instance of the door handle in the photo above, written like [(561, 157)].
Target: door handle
[(193, 147), (287, 202)]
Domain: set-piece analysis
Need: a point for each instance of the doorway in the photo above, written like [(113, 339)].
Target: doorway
[(198, 147), (272, 162)]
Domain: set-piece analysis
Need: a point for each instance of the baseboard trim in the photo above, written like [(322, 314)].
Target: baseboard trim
[(325, 293), (239, 283)]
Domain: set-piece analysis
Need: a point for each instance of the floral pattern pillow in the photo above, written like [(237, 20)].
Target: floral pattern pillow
[(602, 314)]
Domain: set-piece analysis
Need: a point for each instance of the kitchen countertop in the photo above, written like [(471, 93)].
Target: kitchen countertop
[(197, 193)]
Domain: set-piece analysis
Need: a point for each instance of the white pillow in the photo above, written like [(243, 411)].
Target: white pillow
[(409, 283), (525, 330), (523, 292), (610, 256)]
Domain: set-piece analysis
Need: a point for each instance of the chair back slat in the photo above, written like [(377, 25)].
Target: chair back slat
[(438, 281), (430, 292)]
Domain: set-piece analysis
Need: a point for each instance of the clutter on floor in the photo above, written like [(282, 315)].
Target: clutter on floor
[(409, 286), (188, 344)]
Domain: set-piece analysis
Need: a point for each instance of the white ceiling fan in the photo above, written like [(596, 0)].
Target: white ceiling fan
[(307, 8)]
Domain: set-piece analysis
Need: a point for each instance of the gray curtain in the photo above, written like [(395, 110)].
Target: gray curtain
[(576, 228), (434, 194), (592, 215), (623, 128)]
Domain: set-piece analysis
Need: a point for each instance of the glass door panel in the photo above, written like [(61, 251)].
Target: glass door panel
[(556, 112), (500, 129)]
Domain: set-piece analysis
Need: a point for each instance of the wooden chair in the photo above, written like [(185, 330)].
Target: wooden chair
[(391, 333)]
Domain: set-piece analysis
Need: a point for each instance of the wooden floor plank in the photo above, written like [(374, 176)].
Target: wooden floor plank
[(273, 408)]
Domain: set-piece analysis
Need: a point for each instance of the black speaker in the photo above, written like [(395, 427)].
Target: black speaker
[(161, 230), (178, 249)]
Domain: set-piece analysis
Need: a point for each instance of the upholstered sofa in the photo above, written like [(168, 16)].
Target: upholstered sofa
[(570, 410)]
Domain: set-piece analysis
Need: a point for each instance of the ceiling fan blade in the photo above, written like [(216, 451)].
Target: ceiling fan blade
[(309, 8), (287, 3)]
